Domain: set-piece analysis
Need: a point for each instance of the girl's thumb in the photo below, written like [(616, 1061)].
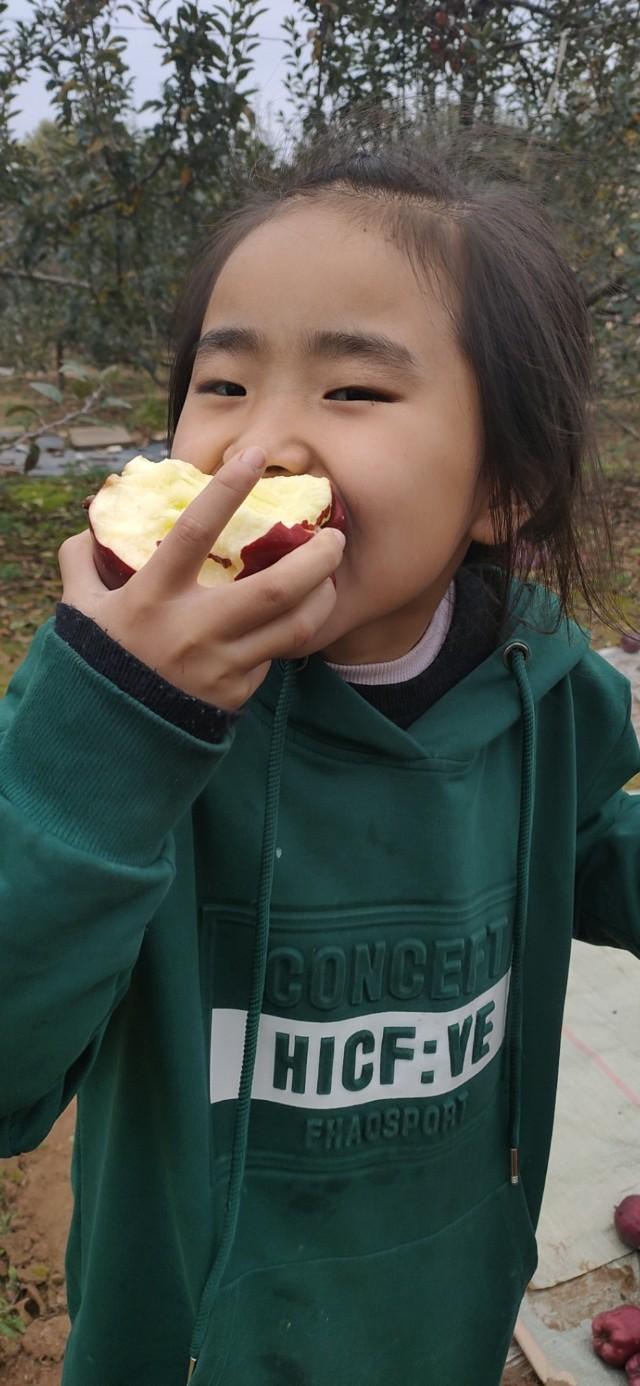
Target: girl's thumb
[(77, 568)]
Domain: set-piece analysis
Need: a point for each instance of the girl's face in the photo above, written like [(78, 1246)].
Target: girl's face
[(395, 429)]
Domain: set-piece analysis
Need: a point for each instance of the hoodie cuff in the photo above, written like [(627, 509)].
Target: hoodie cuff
[(88, 765), (108, 657)]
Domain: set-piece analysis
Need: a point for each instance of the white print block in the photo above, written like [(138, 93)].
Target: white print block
[(325, 1065)]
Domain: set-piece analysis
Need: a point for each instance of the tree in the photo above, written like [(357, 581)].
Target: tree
[(106, 220), (99, 216), (564, 75)]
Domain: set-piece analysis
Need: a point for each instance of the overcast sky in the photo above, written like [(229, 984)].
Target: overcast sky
[(144, 62)]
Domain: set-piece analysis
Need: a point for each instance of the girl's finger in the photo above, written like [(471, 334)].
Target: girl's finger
[(286, 636), (179, 558), (257, 601)]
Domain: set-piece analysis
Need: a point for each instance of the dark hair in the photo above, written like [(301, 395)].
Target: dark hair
[(471, 226)]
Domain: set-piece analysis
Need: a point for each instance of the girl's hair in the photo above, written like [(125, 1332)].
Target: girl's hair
[(472, 230)]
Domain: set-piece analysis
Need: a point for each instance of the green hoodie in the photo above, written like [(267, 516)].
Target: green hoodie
[(394, 912)]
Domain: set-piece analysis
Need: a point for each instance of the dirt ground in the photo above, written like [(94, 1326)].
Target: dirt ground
[(35, 1207)]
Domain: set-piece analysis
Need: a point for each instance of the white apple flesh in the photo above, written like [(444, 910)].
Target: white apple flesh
[(134, 510)]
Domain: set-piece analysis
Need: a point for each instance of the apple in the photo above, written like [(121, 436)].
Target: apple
[(133, 511)]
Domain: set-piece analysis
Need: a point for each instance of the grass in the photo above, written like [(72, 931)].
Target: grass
[(35, 517)]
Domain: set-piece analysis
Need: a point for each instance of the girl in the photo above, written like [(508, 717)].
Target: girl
[(291, 868)]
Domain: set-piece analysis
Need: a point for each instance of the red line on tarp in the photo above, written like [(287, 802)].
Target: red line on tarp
[(600, 1063)]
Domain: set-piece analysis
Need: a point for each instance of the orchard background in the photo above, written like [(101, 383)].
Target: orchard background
[(100, 209)]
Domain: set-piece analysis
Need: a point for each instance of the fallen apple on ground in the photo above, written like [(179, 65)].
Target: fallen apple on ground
[(133, 511), (627, 1221), (616, 1334)]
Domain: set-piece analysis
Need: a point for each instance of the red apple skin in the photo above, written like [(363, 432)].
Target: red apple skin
[(282, 539), (278, 541), (110, 569)]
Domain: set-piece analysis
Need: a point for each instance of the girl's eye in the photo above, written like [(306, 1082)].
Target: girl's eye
[(214, 387), (363, 393), (210, 387)]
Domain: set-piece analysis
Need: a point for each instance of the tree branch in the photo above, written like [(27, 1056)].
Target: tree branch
[(119, 197), (527, 5), (611, 286), (146, 177), (531, 81), (44, 278), (53, 424), (626, 427)]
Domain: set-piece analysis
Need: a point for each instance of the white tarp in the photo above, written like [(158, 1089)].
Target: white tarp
[(595, 1161)]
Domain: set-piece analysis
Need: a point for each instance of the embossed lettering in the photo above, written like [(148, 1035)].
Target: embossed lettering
[(333, 1139), (328, 978), (407, 968), (447, 972), (313, 1131), (354, 1134), (484, 1026), (361, 1039), (410, 1120), (497, 937), (391, 1051), (429, 1047), (283, 966), (372, 1126), (432, 1119), (285, 1063), (368, 972), (458, 1041), (475, 959), (391, 1122), (325, 1064), (448, 1113)]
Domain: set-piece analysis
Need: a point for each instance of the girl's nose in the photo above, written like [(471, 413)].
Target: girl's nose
[(288, 459), (282, 469), (287, 462)]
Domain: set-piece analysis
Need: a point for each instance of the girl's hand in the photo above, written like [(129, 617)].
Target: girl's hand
[(215, 643)]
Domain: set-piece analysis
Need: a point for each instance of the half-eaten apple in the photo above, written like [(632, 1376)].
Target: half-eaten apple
[(133, 511)]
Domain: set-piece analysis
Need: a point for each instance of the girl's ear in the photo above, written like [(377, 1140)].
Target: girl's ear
[(484, 527)]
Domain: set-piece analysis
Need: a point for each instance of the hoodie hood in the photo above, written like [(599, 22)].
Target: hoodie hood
[(452, 727)]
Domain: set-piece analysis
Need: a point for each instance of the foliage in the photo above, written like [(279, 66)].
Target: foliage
[(101, 206), (103, 227), (563, 74)]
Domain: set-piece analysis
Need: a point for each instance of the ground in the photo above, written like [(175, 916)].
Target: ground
[(35, 1199), (35, 1207)]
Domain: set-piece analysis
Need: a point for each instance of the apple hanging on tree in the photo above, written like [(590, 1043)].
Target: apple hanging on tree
[(133, 511)]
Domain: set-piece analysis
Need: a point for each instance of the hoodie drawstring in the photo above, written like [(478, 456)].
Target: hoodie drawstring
[(515, 657), (243, 1105)]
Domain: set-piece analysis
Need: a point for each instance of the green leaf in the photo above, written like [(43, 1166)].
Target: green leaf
[(20, 409), (113, 402), (79, 369), (51, 391)]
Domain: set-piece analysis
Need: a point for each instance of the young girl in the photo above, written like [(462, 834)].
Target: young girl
[(291, 868)]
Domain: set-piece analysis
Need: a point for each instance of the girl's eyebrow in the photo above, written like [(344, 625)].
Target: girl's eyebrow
[(374, 348)]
